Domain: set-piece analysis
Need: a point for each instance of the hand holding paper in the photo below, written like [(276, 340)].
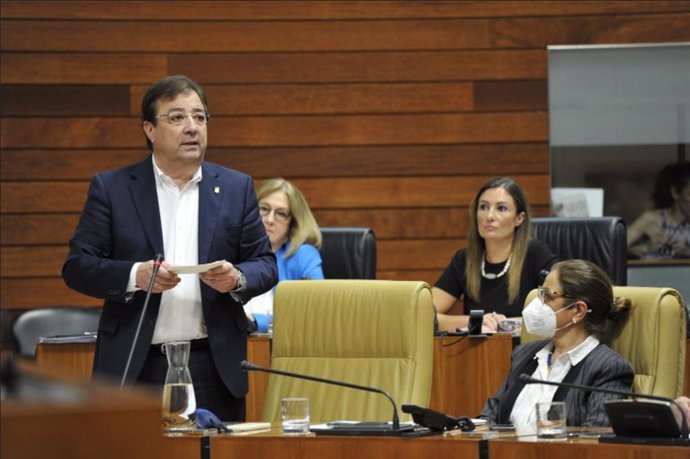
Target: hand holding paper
[(194, 269)]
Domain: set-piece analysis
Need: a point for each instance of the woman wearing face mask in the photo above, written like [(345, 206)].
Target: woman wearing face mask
[(295, 239), (500, 264), (575, 308)]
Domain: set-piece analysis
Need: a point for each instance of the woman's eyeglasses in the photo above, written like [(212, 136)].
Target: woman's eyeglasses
[(546, 295), (280, 215)]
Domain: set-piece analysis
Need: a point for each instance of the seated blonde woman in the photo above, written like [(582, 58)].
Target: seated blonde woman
[(295, 239)]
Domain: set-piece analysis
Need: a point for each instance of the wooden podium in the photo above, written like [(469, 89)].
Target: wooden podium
[(54, 418)]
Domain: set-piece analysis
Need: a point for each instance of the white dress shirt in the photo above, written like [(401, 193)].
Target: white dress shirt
[(523, 412), (180, 316)]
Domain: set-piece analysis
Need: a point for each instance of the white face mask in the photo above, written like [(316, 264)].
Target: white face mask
[(540, 319)]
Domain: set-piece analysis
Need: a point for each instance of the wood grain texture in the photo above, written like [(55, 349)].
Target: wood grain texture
[(244, 36), (59, 100), (81, 68), (335, 35), (456, 389), (38, 292), (394, 66), (298, 161), (345, 193), (289, 131), (332, 98), (327, 10)]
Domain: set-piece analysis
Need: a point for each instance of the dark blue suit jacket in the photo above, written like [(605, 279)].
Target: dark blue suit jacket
[(121, 225)]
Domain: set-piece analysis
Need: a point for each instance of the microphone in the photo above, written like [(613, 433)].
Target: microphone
[(248, 366), (542, 275), (683, 428), (156, 266)]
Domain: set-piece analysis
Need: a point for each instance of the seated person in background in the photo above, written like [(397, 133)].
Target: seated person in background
[(500, 264), (576, 309), (664, 232), (295, 238)]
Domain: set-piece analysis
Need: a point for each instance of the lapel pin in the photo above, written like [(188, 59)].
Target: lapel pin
[(216, 190)]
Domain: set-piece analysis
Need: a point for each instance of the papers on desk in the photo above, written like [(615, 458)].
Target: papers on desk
[(194, 269), (363, 428), (86, 337), (244, 427), (239, 428)]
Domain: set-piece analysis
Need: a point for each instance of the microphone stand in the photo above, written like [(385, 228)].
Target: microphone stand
[(156, 266), (248, 366), (683, 428)]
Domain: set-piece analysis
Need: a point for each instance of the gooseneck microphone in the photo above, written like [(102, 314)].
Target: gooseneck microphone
[(156, 266), (683, 428), (248, 366)]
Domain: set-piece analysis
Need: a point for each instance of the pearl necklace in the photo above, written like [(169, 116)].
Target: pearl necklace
[(486, 275)]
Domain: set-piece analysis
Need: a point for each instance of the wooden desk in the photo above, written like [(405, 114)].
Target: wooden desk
[(276, 446), (76, 361), (466, 370), (52, 418), (531, 448)]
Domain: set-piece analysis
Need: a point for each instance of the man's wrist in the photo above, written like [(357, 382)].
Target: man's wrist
[(241, 284)]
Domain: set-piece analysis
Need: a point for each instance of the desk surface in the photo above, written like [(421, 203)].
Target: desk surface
[(274, 445), (531, 448)]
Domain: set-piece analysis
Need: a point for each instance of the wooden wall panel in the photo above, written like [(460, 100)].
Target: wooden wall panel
[(353, 98), (57, 100), (301, 161), (342, 193), (78, 68), (303, 10), (361, 67), (288, 130), (335, 35), (386, 114)]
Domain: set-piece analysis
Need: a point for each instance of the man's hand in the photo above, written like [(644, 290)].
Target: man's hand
[(165, 280), (224, 278)]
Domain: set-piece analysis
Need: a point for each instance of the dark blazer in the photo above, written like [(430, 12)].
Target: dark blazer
[(121, 225), (602, 367)]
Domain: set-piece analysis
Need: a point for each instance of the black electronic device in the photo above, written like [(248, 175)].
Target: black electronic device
[(634, 420), (437, 421), (474, 326), (642, 418)]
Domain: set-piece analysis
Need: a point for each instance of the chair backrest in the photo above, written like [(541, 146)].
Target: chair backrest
[(348, 253), (30, 325), (368, 332), (652, 339), (601, 240)]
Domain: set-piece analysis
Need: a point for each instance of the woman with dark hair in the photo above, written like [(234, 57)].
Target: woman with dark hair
[(576, 310), (500, 263), (664, 232)]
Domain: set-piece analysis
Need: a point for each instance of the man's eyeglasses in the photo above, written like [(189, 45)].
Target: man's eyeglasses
[(281, 215), (546, 295), (177, 118)]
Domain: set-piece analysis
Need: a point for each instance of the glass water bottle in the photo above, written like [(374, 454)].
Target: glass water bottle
[(179, 402)]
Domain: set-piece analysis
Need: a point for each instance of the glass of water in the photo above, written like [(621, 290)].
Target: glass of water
[(295, 415)]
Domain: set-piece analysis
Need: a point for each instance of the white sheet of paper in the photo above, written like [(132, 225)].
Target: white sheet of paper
[(195, 269)]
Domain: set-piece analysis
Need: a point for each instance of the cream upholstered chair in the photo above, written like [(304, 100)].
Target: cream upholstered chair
[(653, 339), (368, 332)]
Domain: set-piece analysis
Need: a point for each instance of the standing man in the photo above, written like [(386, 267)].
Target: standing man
[(192, 212)]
